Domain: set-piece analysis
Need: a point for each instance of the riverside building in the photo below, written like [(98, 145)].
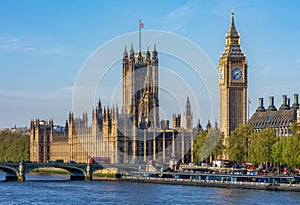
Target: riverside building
[(280, 119), (132, 135)]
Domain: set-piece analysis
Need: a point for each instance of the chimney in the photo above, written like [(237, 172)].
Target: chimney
[(296, 103), (261, 102), (289, 102), (296, 98), (260, 105), (271, 104), (271, 100), (284, 105), (284, 100)]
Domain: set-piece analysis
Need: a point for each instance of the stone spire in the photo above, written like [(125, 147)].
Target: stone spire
[(154, 52), (125, 53), (188, 116), (208, 125), (232, 32), (232, 41), (131, 51), (188, 106)]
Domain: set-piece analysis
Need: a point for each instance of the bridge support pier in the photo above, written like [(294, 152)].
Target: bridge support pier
[(88, 175), (21, 176)]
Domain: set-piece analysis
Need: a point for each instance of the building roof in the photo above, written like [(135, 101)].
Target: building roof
[(232, 32), (271, 117), (277, 118)]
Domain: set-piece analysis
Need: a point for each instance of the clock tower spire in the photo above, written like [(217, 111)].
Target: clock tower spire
[(233, 82)]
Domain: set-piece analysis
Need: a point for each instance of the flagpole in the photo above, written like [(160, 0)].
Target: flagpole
[(140, 36)]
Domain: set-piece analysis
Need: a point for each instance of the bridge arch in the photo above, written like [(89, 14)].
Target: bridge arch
[(11, 171), (77, 171)]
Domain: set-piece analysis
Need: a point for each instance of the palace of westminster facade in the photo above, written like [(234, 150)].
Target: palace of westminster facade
[(136, 135)]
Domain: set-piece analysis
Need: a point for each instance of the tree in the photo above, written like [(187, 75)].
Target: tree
[(263, 143), (219, 140), (14, 147), (208, 144), (239, 142), (198, 145), (291, 152), (277, 150)]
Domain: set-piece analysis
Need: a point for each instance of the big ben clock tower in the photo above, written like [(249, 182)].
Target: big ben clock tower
[(232, 72)]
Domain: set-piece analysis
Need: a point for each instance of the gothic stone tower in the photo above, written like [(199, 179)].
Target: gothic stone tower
[(140, 88), (188, 115), (232, 83)]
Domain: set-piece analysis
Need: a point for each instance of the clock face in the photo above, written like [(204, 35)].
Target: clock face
[(236, 74), (222, 74)]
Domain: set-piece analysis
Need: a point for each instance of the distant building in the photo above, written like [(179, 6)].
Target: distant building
[(48, 142), (233, 82), (130, 136), (279, 119), (136, 133)]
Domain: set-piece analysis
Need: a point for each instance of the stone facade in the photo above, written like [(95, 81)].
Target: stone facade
[(48, 144), (233, 82), (279, 119), (131, 135)]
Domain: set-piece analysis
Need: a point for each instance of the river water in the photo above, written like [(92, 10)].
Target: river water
[(57, 190)]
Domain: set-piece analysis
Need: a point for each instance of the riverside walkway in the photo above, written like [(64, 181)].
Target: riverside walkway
[(260, 182)]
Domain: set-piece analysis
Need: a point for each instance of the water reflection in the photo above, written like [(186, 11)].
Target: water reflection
[(40, 191), (40, 177)]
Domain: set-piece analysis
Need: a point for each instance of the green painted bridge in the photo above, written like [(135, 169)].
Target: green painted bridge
[(16, 171)]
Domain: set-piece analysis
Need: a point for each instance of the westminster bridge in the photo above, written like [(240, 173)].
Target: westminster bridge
[(16, 171)]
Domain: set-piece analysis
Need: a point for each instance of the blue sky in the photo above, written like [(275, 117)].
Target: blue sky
[(43, 45)]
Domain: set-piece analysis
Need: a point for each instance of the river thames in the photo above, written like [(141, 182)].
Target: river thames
[(38, 190)]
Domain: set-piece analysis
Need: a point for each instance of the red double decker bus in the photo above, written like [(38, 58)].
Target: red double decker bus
[(100, 160)]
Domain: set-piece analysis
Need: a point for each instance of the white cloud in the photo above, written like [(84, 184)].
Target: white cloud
[(266, 70), (35, 44), (54, 51), (78, 88), (177, 19), (10, 44), (180, 12)]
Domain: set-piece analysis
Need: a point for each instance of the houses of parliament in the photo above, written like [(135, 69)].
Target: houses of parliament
[(135, 133)]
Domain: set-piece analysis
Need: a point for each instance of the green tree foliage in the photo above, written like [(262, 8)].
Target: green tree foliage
[(277, 150), (207, 144), (239, 143), (261, 146), (264, 147), (291, 150), (198, 145), (14, 147), (218, 142)]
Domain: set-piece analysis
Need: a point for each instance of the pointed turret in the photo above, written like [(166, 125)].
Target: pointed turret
[(154, 52), (148, 55), (125, 53), (232, 32), (131, 52), (199, 127), (208, 125), (99, 104), (188, 106), (232, 36), (117, 111), (188, 116), (216, 125)]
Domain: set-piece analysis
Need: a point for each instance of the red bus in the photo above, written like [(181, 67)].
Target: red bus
[(100, 160)]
